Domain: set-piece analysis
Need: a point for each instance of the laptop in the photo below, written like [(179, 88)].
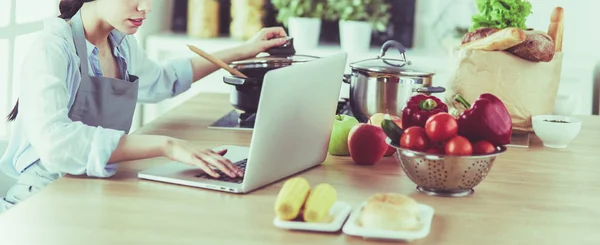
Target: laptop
[(291, 133)]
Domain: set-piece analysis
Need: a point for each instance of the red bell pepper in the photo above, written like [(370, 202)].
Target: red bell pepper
[(487, 119), (419, 108)]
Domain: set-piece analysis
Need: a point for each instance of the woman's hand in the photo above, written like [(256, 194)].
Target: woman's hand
[(265, 39), (182, 151)]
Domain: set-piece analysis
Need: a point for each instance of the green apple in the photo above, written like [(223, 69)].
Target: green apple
[(338, 144)]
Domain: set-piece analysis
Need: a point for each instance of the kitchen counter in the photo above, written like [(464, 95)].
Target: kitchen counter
[(531, 196)]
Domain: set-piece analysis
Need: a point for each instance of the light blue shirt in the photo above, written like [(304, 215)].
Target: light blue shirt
[(48, 85)]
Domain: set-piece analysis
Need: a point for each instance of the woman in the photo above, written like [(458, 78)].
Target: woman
[(83, 78)]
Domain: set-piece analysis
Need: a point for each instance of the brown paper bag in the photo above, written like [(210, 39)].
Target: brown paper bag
[(527, 88)]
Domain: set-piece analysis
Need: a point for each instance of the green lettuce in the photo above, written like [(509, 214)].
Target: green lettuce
[(501, 14)]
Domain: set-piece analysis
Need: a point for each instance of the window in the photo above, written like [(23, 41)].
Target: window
[(25, 13), (3, 83), (19, 20), (4, 13)]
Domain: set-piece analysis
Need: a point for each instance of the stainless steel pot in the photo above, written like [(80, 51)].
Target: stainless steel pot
[(384, 84), (245, 92)]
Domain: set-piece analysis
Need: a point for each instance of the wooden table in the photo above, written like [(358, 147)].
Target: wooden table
[(532, 196)]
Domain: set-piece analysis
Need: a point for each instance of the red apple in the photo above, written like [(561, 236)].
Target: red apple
[(376, 120), (366, 143)]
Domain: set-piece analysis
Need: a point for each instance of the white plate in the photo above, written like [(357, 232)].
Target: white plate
[(339, 211), (425, 215)]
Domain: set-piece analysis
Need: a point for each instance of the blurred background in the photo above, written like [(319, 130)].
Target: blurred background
[(429, 29)]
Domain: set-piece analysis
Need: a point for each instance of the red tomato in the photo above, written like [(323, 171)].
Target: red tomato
[(437, 151), (483, 147), (414, 138), (459, 145), (441, 127), (437, 146)]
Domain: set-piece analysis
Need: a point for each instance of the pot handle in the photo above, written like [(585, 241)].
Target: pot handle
[(236, 81), (429, 90), (392, 43), (346, 78), (284, 50)]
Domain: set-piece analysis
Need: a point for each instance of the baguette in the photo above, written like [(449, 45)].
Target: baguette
[(499, 40), (477, 34), (556, 28)]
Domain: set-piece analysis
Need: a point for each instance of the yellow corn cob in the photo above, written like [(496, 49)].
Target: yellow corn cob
[(291, 198), (318, 203)]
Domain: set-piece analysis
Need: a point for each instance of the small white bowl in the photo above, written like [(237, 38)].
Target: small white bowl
[(556, 131)]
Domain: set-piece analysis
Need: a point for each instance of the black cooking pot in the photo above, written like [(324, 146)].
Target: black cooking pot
[(246, 92)]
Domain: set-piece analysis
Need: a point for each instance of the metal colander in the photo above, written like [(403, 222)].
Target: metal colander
[(439, 175)]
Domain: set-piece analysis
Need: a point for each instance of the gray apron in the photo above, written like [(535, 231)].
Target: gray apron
[(99, 101)]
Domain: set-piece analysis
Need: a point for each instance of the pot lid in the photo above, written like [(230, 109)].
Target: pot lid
[(272, 61), (388, 65), (275, 57)]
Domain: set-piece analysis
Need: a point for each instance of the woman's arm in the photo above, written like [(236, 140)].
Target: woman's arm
[(263, 40), (169, 79), (75, 148), (135, 147)]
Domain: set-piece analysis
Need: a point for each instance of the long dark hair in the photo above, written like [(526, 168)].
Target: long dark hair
[(68, 8)]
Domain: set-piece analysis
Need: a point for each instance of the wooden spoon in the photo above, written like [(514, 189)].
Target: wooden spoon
[(217, 61)]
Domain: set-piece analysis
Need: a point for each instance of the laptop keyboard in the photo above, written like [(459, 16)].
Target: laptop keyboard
[(224, 177)]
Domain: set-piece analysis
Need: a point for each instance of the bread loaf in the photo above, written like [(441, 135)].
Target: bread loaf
[(496, 41), (389, 211), (538, 46)]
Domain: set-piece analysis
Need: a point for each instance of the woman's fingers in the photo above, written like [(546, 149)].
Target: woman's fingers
[(222, 163), (218, 164), (222, 152), (205, 167), (236, 170), (276, 42), (184, 152), (274, 32)]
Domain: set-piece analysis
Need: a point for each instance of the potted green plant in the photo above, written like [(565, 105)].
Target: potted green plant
[(357, 21), (303, 19)]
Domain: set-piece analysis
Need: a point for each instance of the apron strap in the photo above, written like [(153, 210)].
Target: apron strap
[(81, 47)]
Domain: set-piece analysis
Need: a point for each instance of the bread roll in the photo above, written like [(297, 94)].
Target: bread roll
[(538, 46), (498, 41), (389, 211), (478, 34)]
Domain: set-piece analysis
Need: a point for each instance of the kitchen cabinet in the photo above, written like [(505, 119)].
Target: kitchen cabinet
[(575, 88)]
